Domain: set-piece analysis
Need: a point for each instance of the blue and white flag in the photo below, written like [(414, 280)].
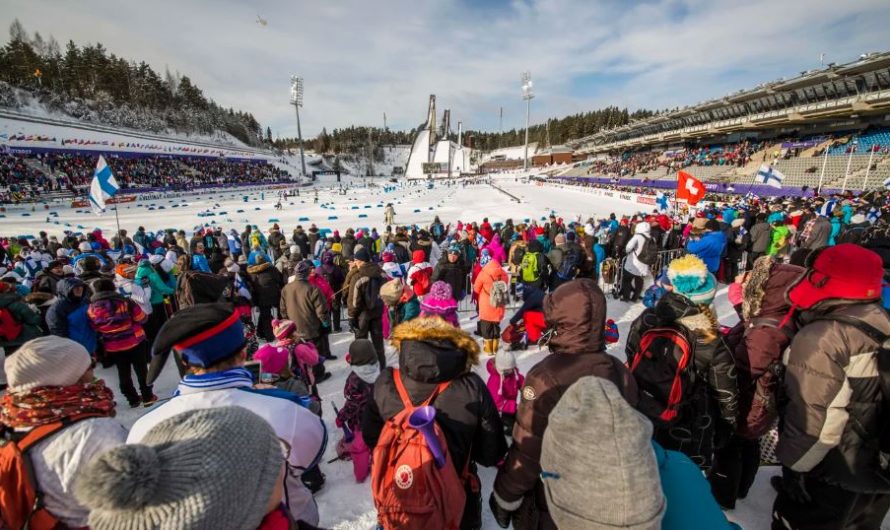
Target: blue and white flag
[(873, 215), (828, 208), (103, 187), (887, 183), (662, 201), (769, 176)]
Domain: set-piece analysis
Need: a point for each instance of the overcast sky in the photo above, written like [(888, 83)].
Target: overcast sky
[(361, 58)]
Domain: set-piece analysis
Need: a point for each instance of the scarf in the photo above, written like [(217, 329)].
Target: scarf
[(233, 378), (367, 372), (48, 404)]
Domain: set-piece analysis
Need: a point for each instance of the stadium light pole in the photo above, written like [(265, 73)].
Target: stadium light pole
[(849, 163), (871, 156), (527, 95), (296, 99)]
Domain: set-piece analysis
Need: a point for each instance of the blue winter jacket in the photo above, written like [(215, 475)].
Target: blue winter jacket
[(709, 249), (836, 226), (690, 504), (67, 316)]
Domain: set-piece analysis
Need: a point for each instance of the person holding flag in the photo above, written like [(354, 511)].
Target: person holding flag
[(103, 187)]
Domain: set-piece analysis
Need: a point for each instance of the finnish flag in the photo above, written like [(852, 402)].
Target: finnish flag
[(887, 183), (103, 187), (770, 177)]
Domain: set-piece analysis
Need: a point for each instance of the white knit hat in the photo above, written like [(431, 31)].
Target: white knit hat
[(84, 247), (46, 361), (504, 361)]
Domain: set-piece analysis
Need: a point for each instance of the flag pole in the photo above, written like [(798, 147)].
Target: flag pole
[(118, 221)]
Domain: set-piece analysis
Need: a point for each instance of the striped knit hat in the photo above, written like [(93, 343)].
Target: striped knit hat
[(689, 277)]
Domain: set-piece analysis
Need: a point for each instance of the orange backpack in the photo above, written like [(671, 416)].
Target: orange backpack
[(409, 491), (21, 506)]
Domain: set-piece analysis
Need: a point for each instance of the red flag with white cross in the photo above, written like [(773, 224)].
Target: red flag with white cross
[(689, 188)]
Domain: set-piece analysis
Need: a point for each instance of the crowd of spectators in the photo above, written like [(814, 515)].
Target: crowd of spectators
[(628, 164), (72, 173)]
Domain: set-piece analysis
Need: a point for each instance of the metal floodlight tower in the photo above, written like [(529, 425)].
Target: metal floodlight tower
[(527, 95), (296, 99)]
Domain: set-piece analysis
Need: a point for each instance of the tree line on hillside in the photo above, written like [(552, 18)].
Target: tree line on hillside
[(92, 84), (560, 131), (349, 140)]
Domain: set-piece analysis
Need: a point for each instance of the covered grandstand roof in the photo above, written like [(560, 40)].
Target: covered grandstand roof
[(858, 87)]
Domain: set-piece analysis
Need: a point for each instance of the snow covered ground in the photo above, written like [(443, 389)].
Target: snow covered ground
[(342, 503)]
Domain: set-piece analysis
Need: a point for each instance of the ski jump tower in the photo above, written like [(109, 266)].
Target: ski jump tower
[(433, 156)]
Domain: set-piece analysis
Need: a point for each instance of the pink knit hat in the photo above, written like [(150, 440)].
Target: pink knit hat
[(283, 329)]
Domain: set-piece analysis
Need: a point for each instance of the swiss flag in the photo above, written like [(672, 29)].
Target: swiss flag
[(689, 188)]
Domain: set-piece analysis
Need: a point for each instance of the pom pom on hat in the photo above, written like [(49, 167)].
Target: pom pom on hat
[(689, 277)]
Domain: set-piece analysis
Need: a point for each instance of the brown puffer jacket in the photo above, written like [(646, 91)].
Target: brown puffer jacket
[(304, 303), (833, 415), (577, 311), (758, 351)]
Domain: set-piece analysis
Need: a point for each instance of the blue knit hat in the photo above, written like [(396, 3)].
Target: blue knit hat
[(689, 277)]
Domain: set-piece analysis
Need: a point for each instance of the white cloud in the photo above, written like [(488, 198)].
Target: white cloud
[(361, 59)]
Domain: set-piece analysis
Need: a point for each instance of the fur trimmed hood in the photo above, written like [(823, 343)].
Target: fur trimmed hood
[(765, 288), (433, 350)]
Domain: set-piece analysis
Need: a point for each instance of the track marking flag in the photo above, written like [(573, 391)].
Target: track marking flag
[(770, 177), (103, 187), (689, 188)]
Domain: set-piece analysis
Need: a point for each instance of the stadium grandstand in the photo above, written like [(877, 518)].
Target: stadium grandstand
[(828, 127)]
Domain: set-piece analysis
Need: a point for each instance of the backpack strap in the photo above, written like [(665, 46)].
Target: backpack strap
[(876, 335), (406, 399)]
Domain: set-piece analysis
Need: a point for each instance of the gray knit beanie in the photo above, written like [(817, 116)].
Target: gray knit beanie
[(202, 469), (598, 465)]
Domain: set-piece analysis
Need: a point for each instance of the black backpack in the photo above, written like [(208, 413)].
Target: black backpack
[(571, 262), (648, 254), (664, 369)]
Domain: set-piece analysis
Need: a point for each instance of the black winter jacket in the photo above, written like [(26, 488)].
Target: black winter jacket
[(432, 351)]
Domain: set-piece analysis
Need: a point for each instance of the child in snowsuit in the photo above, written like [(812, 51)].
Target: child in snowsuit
[(276, 361), (504, 382), (358, 392), (302, 356)]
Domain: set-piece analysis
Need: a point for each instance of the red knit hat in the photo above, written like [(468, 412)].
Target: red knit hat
[(418, 256), (846, 271)]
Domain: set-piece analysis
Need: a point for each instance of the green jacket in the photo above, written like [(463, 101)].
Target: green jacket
[(159, 289), (778, 239), (24, 314)]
